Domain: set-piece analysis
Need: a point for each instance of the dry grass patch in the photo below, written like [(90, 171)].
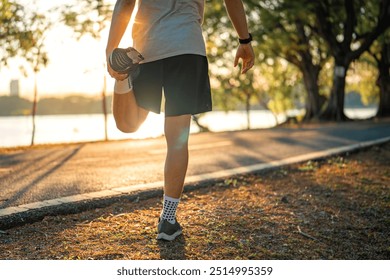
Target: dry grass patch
[(337, 208)]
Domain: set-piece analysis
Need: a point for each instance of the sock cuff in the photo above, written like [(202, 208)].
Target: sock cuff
[(168, 198)]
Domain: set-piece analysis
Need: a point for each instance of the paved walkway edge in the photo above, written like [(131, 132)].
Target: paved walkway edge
[(13, 216)]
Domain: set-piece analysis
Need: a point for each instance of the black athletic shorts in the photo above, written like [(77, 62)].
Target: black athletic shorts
[(184, 80)]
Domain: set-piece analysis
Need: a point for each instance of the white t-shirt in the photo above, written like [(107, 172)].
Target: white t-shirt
[(165, 28)]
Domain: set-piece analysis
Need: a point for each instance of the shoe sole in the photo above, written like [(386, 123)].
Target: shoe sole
[(121, 71), (123, 60), (167, 237)]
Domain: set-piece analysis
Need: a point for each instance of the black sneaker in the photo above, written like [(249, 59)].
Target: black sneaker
[(126, 61), (168, 231)]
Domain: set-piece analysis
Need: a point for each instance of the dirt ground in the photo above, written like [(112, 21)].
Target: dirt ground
[(334, 208)]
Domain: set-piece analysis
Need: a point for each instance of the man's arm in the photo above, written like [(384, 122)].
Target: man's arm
[(236, 12), (120, 19)]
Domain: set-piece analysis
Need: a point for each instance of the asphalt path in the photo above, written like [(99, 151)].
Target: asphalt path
[(49, 172)]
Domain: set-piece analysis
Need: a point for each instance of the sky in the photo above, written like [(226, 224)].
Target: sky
[(74, 66)]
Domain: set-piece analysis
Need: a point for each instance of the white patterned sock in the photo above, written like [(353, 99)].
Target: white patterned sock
[(169, 209)]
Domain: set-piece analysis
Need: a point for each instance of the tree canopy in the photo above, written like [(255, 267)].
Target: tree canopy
[(15, 32), (308, 52)]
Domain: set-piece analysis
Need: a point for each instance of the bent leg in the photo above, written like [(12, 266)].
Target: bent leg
[(127, 114), (177, 130)]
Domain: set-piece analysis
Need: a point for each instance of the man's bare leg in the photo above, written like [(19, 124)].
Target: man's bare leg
[(176, 133), (127, 114), (177, 130)]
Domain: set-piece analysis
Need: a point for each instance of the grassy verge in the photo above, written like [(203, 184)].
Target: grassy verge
[(336, 208)]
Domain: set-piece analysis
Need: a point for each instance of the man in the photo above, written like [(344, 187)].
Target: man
[(168, 34)]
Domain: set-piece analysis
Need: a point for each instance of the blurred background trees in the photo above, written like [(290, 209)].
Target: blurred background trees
[(349, 28), (15, 33), (309, 53), (23, 34), (90, 18), (380, 52), (321, 39)]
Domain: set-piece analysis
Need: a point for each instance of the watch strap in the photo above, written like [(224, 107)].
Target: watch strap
[(246, 41)]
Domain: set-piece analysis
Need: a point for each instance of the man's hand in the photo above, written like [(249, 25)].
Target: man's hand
[(120, 19), (246, 54)]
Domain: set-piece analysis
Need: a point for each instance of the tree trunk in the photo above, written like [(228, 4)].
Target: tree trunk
[(105, 106), (310, 72), (248, 110), (34, 108), (384, 82), (313, 101), (341, 51), (335, 108)]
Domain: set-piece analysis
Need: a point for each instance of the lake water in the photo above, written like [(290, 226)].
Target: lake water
[(16, 131)]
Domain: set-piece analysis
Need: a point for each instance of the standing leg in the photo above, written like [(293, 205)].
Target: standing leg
[(127, 114), (177, 130)]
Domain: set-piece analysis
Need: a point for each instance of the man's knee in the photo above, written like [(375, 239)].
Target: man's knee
[(177, 131), (180, 142)]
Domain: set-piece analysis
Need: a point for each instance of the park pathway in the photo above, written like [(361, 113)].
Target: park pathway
[(33, 175)]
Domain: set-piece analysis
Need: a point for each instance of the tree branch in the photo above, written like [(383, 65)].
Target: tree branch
[(374, 55), (383, 24), (325, 27), (349, 24)]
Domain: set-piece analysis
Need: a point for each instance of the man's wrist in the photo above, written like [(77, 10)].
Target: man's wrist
[(246, 40)]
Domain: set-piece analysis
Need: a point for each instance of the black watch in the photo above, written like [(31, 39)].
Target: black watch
[(246, 41)]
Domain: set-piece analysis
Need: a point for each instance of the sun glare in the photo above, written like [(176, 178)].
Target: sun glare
[(75, 66), (152, 127)]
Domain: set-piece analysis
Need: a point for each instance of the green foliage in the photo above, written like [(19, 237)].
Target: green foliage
[(349, 29), (361, 78), (285, 29), (349, 21), (23, 33), (272, 83), (37, 57), (289, 35), (380, 59), (87, 17), (325, 78), (280, 85), (15, 32)]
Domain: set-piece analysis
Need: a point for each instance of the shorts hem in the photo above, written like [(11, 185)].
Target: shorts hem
[(189, 113)]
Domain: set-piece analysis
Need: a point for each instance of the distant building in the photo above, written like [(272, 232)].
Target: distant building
[(14, 88)]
